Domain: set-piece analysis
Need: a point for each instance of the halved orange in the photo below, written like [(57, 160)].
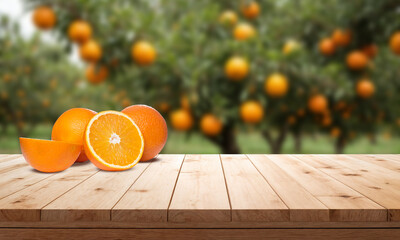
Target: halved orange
[(113, 141), (48, 155)]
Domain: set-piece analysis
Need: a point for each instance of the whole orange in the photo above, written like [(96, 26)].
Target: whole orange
[(341, 37), (80, 31), (70, 127), (251, 112), (365, 88), (327, 46), (395, 43), (251, 10), (370, 50), (243, 31), (276, 85), (44, 17), (90, 51), (318, 104), (228, 17), (96, 74), (356, 60), (181, 119), (236, 68), (143, 53), (210, 125), (335, 132), (153, 127)]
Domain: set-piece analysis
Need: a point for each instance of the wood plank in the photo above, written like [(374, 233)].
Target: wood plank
[(20, 178), (385, 162), (361, 181), (252, 198), (344, 203), (302, 204), (394, 157), (3, 156), (230, 225), (200, 194), (26, 204), (93, 199), (12, 164), (148, 199), (9, 157), (198, 234)]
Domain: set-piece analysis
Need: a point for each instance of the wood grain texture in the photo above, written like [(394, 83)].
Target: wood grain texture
[(12, 164), (207, 191), (93, 199), (344, 203), (251, 197), (8, 157), (339, 167), (200, 193), (302, 204), (25, 205), (198, 234), (18, 179), (148, 199)]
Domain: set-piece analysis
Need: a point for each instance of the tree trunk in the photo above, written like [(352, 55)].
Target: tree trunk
[(339, 145), (277, 143), (297, 141), (227, 141)]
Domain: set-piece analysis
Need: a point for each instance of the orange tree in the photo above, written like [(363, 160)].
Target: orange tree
[(219, 66), (36, 79)]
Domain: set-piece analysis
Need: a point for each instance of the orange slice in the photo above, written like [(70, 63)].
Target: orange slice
[(113, 141), (49, 156)]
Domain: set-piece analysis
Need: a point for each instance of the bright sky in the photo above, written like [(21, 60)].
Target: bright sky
[(15, 10)]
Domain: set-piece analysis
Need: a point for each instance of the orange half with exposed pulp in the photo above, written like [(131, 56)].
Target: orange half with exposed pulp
[(49, 155), (113, 141)]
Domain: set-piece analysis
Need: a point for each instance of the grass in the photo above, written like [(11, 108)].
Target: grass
[(249, 143)]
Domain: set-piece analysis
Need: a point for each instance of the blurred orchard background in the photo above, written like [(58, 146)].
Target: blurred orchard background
[(265, 76)]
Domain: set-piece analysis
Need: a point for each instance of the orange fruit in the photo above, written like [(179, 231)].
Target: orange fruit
[(143, 53), (276, 85), (210, 125), (335, 132), (327, 46), (96, 74), (395, 43), (243, 31), (90, 51), (79, 31), (236, 68), (370, 50), (290, 46), (47, 155), (113, 141), (44, 17), (365, 88), (185, 104), (163, 107), (251, 10), (251, 111), (318, 104), (153, 127), (341, 37), (181, 119), (70, 127), (356, 60), (291, 120), (228, 17), (326, 121)]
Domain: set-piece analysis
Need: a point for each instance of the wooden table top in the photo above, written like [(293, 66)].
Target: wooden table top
[(199, 189)]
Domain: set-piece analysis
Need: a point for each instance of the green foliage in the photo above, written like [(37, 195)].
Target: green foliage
[(193, 46)]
